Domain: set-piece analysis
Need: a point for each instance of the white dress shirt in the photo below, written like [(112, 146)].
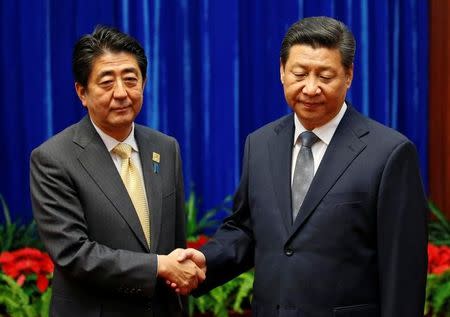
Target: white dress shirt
[(111, 143), (325, 134)]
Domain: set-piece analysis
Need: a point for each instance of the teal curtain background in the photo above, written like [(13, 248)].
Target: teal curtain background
[(213, 75)]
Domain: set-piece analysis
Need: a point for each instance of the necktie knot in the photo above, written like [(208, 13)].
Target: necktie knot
[(123, 150), (308, 138)]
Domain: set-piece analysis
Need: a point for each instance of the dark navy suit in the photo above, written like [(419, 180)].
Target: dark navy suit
[(358, 246)]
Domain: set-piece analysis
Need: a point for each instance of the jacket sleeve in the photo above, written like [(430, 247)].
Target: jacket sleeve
[(402, 235), (64, 231)]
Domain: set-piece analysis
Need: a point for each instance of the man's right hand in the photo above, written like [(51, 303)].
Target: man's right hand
[(194, 255), (184, 275), (184, 255)]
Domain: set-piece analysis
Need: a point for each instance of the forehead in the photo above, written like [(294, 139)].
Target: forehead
[(307, 56), (114, 62)]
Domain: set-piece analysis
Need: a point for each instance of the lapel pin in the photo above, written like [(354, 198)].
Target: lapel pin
[(156, 159)]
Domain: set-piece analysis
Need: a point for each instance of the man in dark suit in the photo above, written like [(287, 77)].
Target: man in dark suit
[(108, 194), (330, 210)]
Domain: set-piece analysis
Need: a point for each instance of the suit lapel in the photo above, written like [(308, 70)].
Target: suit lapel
[(344, 147), (153, 184), (97, 161), (280, 153)]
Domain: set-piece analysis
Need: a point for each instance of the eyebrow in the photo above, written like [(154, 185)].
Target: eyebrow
[(123, 71), (306, 66)]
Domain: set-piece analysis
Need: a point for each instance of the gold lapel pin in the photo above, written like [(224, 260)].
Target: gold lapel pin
[(156, 157)]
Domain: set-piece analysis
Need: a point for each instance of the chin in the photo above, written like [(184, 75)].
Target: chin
[(310, 120), (122, 122), (309, 112)]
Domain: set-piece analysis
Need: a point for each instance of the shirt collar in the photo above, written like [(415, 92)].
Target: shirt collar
[(325, 132), (111, 143)]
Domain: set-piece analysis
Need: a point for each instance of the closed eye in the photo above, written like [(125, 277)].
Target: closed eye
[(325, 79), (300, 75)]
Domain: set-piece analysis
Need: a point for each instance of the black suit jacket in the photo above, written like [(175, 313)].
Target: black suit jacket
[(85, 217), (358, 246)]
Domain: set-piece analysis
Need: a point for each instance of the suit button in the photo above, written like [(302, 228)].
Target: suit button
[(288, 252)]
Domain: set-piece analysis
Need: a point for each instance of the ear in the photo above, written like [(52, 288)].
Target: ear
[(281, 72), (81, 92), (143, 84), (349, 76)]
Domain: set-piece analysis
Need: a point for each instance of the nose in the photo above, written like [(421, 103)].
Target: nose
[(311, 88), (119, 90)]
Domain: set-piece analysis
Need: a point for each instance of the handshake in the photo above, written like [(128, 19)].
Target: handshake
[(182, 269)]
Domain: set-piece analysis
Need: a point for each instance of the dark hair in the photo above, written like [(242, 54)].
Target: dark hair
[(104, 39), (320, 32)]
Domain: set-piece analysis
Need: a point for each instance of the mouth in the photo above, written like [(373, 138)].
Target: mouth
[(121, 109), (309, 104)]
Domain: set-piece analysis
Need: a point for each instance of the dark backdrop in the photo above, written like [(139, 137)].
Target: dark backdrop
[(213, 75)]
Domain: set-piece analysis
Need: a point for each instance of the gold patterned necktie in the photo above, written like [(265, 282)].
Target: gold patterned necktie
[(134, 184)]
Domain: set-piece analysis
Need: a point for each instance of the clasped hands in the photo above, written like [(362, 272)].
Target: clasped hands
[(182, 269)]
